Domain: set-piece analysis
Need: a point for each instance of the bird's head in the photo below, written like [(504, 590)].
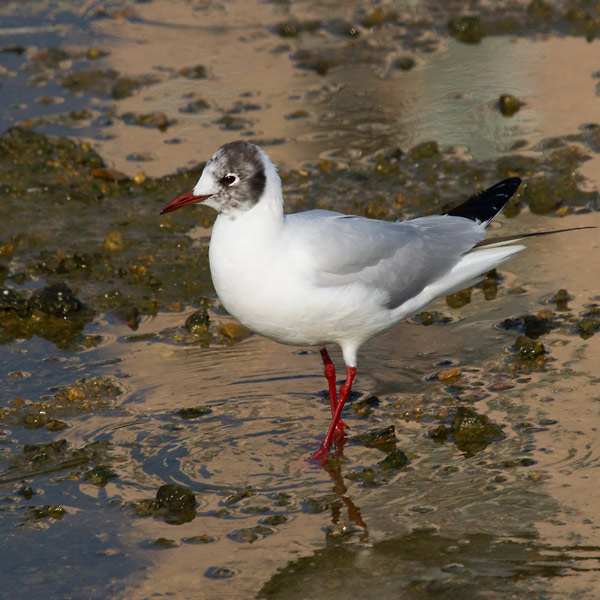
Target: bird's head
[(233, 181)]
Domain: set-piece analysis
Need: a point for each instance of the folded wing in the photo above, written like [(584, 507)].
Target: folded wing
[(400, 259)]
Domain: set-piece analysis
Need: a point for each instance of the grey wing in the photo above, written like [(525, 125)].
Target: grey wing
[(398, 258)]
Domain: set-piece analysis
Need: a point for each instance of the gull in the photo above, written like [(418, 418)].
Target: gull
[(320, 277)]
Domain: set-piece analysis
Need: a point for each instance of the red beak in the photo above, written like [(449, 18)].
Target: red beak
[(183, 200)]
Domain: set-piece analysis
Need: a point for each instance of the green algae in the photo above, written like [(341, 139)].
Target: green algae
[(58, 457)]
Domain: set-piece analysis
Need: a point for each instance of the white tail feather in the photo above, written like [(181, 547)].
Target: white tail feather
[(467, 272)]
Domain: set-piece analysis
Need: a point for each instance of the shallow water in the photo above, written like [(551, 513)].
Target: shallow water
[(517, 519)]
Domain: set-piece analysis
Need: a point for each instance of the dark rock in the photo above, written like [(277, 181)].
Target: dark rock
[(561, 298), (404, 63), (472, 432), (175, 498), (55, 300), (193, 413), (396, 459), (197, 322), (587, 327), (439, 434), (100, 475), (364, 406), (467, 29), (12, 301), (384, 439), (533, 326), (529, 350), (509, 105)]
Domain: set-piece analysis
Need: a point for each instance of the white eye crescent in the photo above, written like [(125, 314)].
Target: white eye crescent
[(229, 179)]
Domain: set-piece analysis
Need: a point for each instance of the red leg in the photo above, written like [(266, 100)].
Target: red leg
[(345, 389), (330, 375)]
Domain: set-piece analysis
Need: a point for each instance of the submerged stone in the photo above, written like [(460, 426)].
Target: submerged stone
[(588, 326), (459, 299), (198, 539), (175, 498), (197, 322), (56, 300), (100, 475), (236, 332), (364, 406), (404, 63), (533, 326), (163, 542), (55, 512), (472, 431), (529, 350), (13, 301), (561, 298), (509, 105), (219, 573), (396, 459), (250, 534), (384, 438), (439, 434), (193, 413), (541, 197), (424, 150), (113, 242), (467, 29), (197, 72)]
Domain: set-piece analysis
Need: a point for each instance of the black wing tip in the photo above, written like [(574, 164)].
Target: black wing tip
[(511, 183), (485, 205)]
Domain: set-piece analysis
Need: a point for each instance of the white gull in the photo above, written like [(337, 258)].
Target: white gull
[(321, 277)]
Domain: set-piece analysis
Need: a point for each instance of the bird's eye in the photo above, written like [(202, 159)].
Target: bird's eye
[(228, 179)]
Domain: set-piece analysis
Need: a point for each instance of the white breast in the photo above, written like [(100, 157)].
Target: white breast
[(263, 280)]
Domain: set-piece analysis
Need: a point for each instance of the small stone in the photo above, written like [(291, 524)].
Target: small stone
[(250, 534), (404, 63), (100, 475), (528, 349), (424, 150), (472, 432), (459, 299), (162, 542), (193, 413), (55, 300), (197, 72), (384, 438), (113, 242), (175, 498), (95, 53), (396, 459), (219, 573), (468, 29), (509, 105), (55, 425), (587, 327), (198, 321), (198, 539), (439, 434), (235, 331), (27, 492), (449, 374)]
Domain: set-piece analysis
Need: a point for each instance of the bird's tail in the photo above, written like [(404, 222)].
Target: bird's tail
[(484, 206), (496, 242)]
